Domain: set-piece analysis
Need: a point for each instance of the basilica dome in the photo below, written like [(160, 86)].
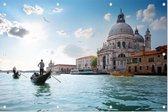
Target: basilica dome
[(121, 27)]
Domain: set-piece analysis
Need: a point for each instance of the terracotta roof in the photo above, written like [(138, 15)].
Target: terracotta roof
[(64, 65), (152, 52), (86, 57)]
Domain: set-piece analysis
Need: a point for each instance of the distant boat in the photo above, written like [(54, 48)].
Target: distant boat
[(16, 75), (82, 72), (40, 79), (117, 73)]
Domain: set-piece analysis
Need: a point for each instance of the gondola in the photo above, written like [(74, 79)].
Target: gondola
[(40, 79), (16, 75)]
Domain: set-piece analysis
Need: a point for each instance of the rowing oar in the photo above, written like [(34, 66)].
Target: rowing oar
[(56, 79), (23, 75)]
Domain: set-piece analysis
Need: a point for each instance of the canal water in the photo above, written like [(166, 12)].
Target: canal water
[(84, 93)]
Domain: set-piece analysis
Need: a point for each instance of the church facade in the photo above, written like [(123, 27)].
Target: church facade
[(121, 43)]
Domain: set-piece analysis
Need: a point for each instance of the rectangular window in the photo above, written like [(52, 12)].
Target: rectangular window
[(139, 59), (114, 62), (147, 67), (151, 59), (135, 60)]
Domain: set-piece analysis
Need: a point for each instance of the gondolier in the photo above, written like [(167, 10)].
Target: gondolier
[(16, 74), (14, 69), (41, 65)]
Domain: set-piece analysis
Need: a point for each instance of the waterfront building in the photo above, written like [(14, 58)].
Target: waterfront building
[(148, 62), (84, 63), (121, 43), (60, 68)]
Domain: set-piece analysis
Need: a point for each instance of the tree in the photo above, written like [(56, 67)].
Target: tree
[(94, 62)]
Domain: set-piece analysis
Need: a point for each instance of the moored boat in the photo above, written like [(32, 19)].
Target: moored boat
[(115, 73), (16, 75), (40, 79), (82, 72)]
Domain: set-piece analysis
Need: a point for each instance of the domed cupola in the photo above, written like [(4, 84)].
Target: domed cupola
[(121, 18), (120, 27), (138, 37)]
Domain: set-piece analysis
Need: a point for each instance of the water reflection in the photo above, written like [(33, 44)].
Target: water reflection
[(43, 90)]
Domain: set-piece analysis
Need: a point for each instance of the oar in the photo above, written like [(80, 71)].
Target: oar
[(56, 79), (23, 75)]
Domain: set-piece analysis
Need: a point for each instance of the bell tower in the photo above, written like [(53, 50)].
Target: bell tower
[(147, 40)]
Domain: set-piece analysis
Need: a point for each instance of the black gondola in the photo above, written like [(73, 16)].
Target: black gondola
[(16, 75), (40, 79)]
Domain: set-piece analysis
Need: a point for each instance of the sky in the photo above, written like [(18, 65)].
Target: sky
[(63, 30)]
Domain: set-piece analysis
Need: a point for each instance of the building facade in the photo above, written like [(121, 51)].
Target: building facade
[(121, 43), (60, 68), (84, 63), (148, 62)]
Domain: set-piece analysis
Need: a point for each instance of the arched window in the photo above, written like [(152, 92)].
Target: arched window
[(119, 45), (123, 44), (121, 55)]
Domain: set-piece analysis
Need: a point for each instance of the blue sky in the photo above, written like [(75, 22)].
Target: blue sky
[(63, 30)]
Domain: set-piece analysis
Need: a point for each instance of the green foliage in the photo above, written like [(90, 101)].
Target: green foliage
[(94, 62)]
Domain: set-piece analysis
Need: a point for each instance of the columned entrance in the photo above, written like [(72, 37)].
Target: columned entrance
[(159, 70)]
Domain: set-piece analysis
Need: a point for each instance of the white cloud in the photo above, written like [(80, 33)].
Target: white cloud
[(139, 14), (159, 23), (27, 31), (58, 10), (5, 25), (2, 14), (149, 13), (30, 9), (107, 16), (140, 27), (86, 33), (61, 33), (128, 16)]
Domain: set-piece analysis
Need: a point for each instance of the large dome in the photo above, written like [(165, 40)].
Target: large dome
[(121, 28)]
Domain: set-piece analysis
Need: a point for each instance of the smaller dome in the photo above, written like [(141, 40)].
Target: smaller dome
[(138, 37)]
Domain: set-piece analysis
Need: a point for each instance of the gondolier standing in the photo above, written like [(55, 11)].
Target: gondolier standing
[(14, 69), (41, 65)]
